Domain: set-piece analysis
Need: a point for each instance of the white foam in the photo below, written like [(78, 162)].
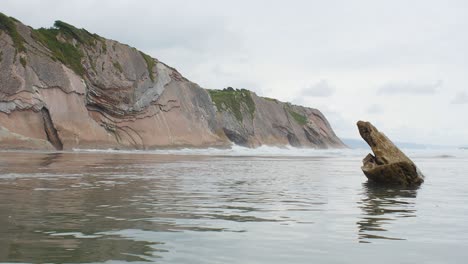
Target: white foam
[(289, 151), (236, 150)]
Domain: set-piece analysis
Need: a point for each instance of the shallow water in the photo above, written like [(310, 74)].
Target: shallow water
[(232, 206)]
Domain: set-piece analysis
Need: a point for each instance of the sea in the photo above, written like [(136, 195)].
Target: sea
[(238, 205)]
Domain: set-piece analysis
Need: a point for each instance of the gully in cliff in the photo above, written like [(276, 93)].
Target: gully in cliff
[(389, 165)]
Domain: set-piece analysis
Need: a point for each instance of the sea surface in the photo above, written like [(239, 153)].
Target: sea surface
[(267, 205)]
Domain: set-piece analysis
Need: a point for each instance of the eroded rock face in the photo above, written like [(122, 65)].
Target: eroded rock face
[(268, 121), (66, 88), (388, 165)]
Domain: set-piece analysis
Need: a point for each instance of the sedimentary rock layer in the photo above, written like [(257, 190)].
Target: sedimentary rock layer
[(65, 88)]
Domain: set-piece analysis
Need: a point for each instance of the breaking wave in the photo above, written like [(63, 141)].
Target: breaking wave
[(269, 151), (236, 150)]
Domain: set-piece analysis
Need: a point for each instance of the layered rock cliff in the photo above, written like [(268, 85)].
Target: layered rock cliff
[(65, 88)]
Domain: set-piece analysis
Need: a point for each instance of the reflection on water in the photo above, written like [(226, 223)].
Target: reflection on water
[(64, 207), (49, 159), (94, 207), (66, 219), (381, 206)]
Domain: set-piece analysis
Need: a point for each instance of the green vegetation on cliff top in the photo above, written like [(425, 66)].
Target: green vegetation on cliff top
[(64, 41), (232, 100), (80, 35), (65, 51), (150, 63), (8, 25), (271, 99)]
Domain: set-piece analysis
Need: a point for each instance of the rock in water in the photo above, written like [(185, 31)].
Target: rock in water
[(389, 165)]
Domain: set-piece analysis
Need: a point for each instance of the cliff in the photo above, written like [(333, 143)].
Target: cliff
[(65, 88)]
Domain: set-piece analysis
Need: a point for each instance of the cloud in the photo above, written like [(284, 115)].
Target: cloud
[(409, 88), (320, 89), (375, 109), (241, 44), (460, 98)]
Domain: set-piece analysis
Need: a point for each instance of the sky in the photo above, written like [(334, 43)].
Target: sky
[(403, 65)]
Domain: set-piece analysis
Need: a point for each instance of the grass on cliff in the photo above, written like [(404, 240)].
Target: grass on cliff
[(64, 50), (8, 25), (23, 61), (230, 99), (117, 66), (80, 35), (271, 99), (150, 63), (299, 118)]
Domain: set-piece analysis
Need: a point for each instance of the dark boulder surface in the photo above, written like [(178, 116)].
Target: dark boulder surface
[(389, 165)]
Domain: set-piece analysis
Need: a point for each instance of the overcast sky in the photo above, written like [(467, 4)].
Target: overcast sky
[(402, 65)]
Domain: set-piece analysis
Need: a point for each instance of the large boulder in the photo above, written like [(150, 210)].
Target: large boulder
[(389, 165)]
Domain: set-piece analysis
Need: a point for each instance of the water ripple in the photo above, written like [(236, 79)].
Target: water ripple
[(94, 207)]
